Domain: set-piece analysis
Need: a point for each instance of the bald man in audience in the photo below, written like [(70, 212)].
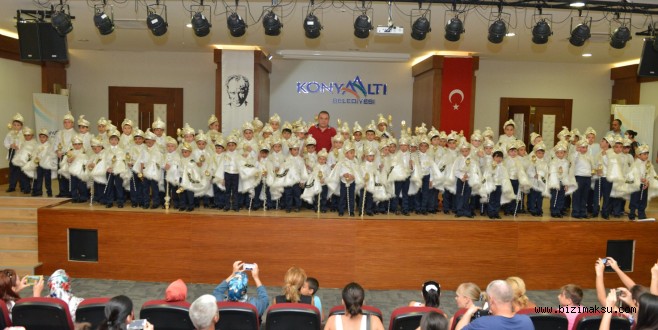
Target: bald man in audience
[(203, 313), (500, 297)]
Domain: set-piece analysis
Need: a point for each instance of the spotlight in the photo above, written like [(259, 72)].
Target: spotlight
[(577, 3), (541, 32), (619, 37), (579, 35), (312, 26), (420, 28), (454, 29), (103, 23), (61, 21), (156, 24), (362, 26), (272, 24), (497, 31), (236, 25), (200, 25)]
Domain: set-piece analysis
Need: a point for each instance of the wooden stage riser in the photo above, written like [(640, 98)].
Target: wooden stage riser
[(379, 254)]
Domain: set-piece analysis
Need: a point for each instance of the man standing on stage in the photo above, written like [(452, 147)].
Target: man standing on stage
[(322, 132)]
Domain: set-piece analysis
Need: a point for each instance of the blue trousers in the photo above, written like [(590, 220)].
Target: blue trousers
[(174, 200), (605, 188), (115, 190), (448, 202), (579, 199), (14, 171), (511, 206), (557, 201), (292, 196), (535, 200), (99, 197), (639, 204), (493, 205), (137, 191), (187, 199), (79, 191), (231, 182), (43, 176), (151, 186), (25, 181), (401, 189), (344, 200), (463, 197)]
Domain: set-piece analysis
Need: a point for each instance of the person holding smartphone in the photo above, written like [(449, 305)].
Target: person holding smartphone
[(11, 285), (119, 314), (234, 287)]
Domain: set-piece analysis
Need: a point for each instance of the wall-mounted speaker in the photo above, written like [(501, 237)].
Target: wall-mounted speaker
[(39, 41)]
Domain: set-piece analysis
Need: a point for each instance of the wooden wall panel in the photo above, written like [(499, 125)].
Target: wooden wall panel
[(380, 254), (9, 48), (262, 70), (52, 73)]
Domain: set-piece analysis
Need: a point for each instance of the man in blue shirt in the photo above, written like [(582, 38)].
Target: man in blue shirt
[(500, 297), (234, 288)]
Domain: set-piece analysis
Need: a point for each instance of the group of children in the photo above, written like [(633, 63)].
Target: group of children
[(367, 171)]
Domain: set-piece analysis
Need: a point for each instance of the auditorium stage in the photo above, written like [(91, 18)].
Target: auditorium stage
[(381, 252)]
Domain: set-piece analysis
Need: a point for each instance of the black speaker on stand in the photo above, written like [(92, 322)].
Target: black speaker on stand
[(39, 41)]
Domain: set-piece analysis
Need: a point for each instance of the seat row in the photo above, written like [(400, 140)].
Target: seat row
[(50, 313)]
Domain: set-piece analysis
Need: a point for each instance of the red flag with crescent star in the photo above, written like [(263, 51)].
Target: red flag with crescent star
[(457, 95)]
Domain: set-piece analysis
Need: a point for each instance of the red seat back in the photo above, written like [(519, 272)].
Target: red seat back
[(5, 321), (91, 310), (166, 315), (42, 313), (237, 315), (408, 318), (296, 316), (591, 321), (366, 309)]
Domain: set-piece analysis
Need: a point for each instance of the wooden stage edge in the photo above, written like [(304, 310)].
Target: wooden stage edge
[(382, 253)]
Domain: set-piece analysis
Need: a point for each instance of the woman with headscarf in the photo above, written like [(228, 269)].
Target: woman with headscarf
[(59, 284)]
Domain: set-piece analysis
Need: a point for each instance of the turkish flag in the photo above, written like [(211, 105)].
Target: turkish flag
[(457, 95)]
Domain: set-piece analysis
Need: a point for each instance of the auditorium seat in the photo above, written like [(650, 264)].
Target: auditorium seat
[(296, 316), (408, 318), (5, 321), (366, 309), (545, 321), (91, 310), (591, 321), (41, 314), (460, 313), (237, 316), (166, 315)]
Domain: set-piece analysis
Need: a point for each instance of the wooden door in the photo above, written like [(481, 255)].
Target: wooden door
[(543, 116), (144, 104), (521, 116)]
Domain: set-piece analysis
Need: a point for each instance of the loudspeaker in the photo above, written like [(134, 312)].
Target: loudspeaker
[(622, 251), (39, 41), (83, 244), (649, 61), (28, 39)]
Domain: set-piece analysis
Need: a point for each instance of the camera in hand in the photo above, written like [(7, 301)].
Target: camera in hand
[(248, 266), (480, 312), (136, 325)]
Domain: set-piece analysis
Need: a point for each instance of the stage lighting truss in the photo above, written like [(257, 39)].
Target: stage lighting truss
[(104, 22), (61, 18), (156, 19), (272, 19), (580, 30), (455, 21), (362, 21), (620, 32), (498, 26), (542, 28), (201, 19), (312, 19), (420, 22)]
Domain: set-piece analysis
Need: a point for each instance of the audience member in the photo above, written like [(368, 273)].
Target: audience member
[(431, 295), (570, 296), (59, 284), (292, 283), (654, 279), (599, 268), (176, 291), (310, 288), (647, 315), (433, 321), (500, 297), (203, 312), (10, 285), (119, 313), (465, 296), (234, 288), (354, 319), (521, 301)]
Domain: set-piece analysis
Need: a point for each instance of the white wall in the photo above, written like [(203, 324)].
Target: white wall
[(589, 86), (649, 95), (290, 105), (19, 80), (91, 72)]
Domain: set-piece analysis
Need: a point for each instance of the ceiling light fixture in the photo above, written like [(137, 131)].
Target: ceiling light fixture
[(497, 31), (420, 28), (272, 24), (154, 21), (362, 26), (541, 32), (200, 25), (454, 29), (312, 26), (577, 3), (619, 37), (61, 20), (103, 22), (236, 25), (579, 35)]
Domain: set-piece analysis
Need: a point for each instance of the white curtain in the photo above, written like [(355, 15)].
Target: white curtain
[(49, 111), (237, 107)]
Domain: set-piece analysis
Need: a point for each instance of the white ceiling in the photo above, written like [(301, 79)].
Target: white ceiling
[(338, 19)]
